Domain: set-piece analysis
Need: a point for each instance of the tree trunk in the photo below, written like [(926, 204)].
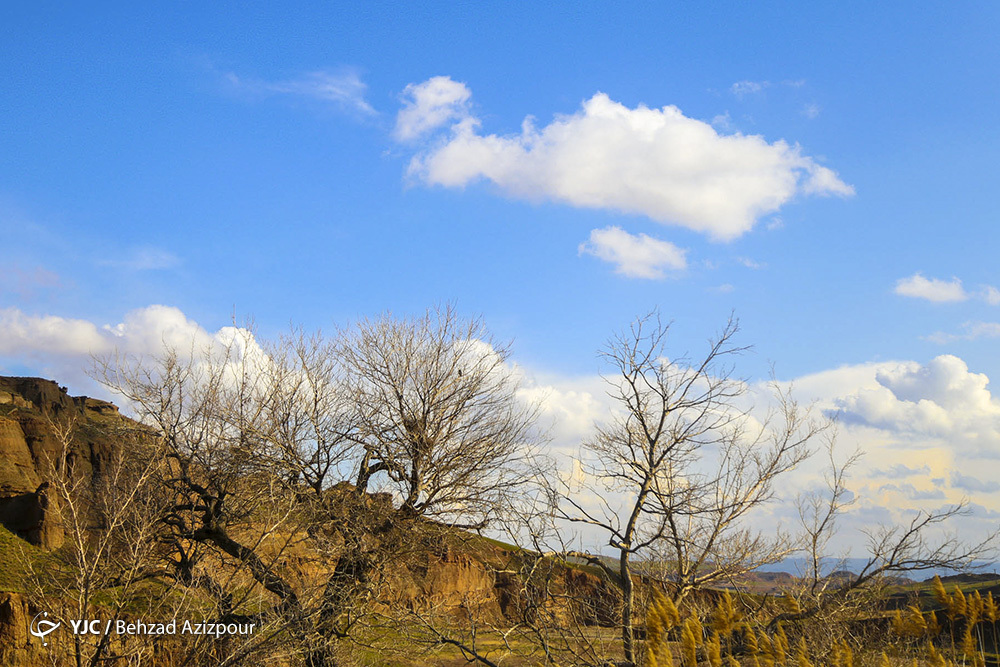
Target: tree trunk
[(628, 603)]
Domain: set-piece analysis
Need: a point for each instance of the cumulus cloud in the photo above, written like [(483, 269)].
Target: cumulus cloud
[(909, 458), (343, 88), (634, 255), (920, 426), (63, 347), (142, 331), (941, 399), (653, 162), (931, 289), (931, 431), (569, 406), (990, 295), (431, 104), (31, 335)]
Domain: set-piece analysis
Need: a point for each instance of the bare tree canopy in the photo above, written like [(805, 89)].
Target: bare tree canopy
[(681, 464), (439, 414), (312, 487)]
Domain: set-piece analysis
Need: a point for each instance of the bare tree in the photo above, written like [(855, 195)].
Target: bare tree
[(110, 521), (892, 550), (679, 467), (251, 444), (261, 443), (439, 414)]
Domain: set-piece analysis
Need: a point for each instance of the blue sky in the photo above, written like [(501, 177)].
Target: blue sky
[(826, 171)]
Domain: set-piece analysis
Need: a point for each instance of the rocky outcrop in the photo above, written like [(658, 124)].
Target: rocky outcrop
[(17, 646), (31, 412)]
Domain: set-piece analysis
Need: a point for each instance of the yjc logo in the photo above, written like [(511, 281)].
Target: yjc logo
[(41, 628)]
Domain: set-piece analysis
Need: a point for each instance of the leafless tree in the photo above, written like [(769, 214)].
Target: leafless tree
[(892, 550), (676, 471), (261, 441), (111, 553), (254, 450), (439, 414)]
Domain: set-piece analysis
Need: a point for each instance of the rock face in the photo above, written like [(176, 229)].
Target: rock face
[(17, 647), (31, 412)]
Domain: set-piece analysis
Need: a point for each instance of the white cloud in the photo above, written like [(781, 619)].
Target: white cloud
[(654, 162), (32, 335), (931, 289), (431, 104), (971, 331), (743, 88), (750, 263), (920, 426), (722, 121), (634, 256), (941, 401), (63, 348), (343, 88), (144, 259), (143, 331), (811, 110), (569, 406), (937, 290), (990, 295)]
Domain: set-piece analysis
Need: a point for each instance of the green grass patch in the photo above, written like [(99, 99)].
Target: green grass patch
[(17, 560)]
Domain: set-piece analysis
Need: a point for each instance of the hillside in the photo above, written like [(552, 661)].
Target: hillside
[(445, 571)]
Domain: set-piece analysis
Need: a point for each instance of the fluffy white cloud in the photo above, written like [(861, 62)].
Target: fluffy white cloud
[(634, 255), (343, 88), (31, 335), (569, 406), (431, 104), (931, 289), (940, 291), (63, 348), (654, 162), (941, 401)]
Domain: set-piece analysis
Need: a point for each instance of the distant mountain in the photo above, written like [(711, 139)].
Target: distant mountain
[(798, 567)]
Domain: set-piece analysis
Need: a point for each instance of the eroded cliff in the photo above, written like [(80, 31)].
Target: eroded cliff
[(33, 411)]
